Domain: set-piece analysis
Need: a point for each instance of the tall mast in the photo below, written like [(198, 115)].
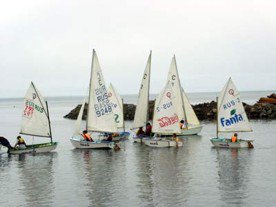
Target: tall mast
[(49, 121), (148, 88), (180, 88), (90, 83), (217, 116), (124, 127)]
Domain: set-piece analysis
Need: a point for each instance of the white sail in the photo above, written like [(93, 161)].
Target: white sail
[(35, 115), (100, 116), (141, 112), (231, 114), (192, 119), (79, 120), (117, 106), (173, 78), (165, 119)]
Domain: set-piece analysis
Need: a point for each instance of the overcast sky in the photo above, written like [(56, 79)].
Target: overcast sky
[(50, 42)]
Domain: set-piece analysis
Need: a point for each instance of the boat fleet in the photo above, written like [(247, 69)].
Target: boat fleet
[(173, 116)]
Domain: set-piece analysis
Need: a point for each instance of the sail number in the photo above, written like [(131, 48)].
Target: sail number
[(103, 111), (164, 106)]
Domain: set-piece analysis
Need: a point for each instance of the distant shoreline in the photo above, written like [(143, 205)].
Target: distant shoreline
[(265, 108)]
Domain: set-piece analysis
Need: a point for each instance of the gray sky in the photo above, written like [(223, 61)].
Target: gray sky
[(50, 42)]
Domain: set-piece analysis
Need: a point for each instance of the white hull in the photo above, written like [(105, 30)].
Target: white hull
[(226, 143), (140, 139), (42, 149), (187, 132), (81, 144), (191, 131), (163, 143)]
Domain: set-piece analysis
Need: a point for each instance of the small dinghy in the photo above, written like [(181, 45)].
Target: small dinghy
[(141, 116), (100, 116), (35, 122), (165, 119), (231, 117)]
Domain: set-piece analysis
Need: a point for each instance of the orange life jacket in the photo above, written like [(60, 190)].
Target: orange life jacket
[(181, 125), (87, 137), (234, 139)]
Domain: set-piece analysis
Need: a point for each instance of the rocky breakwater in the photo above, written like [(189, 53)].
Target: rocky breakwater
[(265, 108)]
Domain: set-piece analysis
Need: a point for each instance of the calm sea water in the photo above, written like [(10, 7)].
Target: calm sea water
[(195, 175)]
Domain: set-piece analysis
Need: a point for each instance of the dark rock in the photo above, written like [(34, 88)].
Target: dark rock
[(204, 111)]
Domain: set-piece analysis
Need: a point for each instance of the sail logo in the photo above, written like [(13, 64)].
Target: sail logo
[(167, 121), (30, 107), (234, 119)]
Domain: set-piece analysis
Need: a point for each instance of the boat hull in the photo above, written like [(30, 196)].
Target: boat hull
[(140, 139), (82, 144), (36, 148), (163, 143), (226, 143), (186, 132), (191, 131)]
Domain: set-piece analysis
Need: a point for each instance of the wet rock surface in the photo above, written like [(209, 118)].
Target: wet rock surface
[(265, 108)]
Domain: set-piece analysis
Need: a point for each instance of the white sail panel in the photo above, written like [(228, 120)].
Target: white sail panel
[(165, 119), (35, 115), (100, 115), (141, 112), (117, 106), (79, 120), (231, 113), (173, 77), (192, 119)]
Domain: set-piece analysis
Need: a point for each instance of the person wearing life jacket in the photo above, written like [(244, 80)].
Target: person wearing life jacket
[(181, 124), (140, 132), (20, 144), (234, 138), (87, 136), (148, 129), (6, 143)]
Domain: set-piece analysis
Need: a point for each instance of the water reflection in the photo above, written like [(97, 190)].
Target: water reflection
[(162, 175), (36, 178), (102, 173), (233, 169)]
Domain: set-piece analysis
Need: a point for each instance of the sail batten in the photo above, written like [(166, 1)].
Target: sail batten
[(35, 120), (100, 114), (141, 112), (231, 113)]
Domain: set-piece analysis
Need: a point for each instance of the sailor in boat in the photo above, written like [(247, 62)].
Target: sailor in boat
[(6, 143), (109, 138), (181, 124), (148, 130), (140, 132), (175, 138), (234, 138), (87, 136), (20, 144)]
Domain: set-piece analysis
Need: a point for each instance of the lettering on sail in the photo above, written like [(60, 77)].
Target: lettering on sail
[(167, 121), (102, 105), (30, 106)]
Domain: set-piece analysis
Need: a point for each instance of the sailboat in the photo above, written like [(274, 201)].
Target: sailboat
[(184, 109), (141, 117), (231, 117), (117, 106), (165, 119), (35, 122), (100, 116)]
